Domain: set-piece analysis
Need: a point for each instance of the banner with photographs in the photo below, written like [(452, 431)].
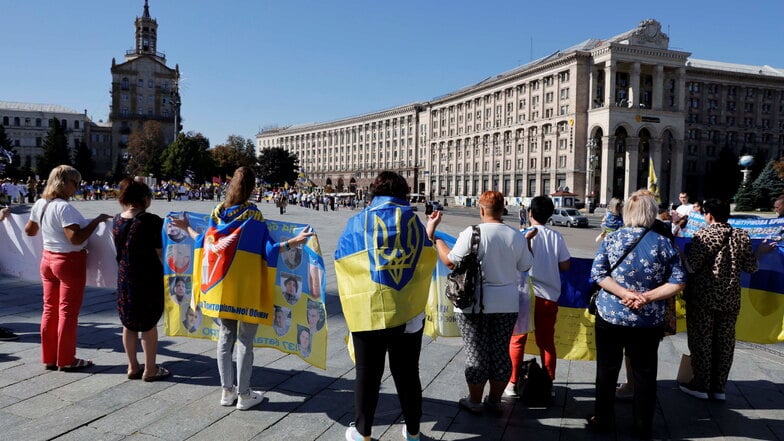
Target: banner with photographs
[(299, 322)]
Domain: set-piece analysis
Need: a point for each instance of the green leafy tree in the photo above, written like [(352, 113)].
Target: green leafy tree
[(83, 161), (767, 186), (278, 166), (745, 197), (145, 150), (188, 156), (56, 150), (236, 152)]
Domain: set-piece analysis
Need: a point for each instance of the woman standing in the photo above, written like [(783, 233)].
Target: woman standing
[(235, 212), (63, 266), (717, 255), (140, 293), (386, 313), (487, 326), (631, 309)]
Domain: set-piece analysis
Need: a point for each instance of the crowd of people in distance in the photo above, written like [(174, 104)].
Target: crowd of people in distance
[(631, 305)]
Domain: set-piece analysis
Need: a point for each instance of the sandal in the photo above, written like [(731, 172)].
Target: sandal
[(160, 374), (77, 365), (136, 375)]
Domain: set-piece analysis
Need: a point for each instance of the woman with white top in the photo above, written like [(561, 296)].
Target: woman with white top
[(487, 326), (63, 266)]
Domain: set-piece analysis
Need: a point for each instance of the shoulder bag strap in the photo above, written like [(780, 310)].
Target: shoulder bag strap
[(475, 238), (629, 250)]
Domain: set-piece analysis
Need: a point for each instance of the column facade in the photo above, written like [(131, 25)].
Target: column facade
[(608, 166)]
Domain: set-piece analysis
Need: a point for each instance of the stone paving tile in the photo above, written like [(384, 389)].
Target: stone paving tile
[(306, 403)]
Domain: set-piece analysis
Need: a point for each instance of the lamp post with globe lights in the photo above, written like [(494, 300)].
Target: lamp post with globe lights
[(746, 161)]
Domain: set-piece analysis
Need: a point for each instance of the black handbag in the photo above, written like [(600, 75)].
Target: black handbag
[(595, 288), (462, 281)]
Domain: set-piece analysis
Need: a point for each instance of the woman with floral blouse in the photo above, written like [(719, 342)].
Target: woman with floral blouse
[(630, 310)]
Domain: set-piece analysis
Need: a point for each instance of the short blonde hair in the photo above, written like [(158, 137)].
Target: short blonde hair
[(640, 209), (58, 178), (615, 206)]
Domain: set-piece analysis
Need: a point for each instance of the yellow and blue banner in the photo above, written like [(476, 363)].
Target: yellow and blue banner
[(290, 306), (761, 317), (384, 265)]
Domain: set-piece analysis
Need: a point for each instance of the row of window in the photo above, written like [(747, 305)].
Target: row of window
[(28, 122), (731, 121), (532, 165), (472, 187), (732, 106), (126, 84), (732, 91), (124, 111)]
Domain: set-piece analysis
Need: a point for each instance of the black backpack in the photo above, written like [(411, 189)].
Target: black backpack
[(461, 283), (534, 384)]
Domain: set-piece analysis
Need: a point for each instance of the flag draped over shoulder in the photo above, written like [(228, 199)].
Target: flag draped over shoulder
[(384, 265), (298, 323), (231, 248)]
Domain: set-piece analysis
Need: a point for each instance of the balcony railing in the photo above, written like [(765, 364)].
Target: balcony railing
[(160, 55)]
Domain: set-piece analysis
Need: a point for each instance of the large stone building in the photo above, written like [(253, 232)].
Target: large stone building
[(598, 118), (143, 88), (27, 125)]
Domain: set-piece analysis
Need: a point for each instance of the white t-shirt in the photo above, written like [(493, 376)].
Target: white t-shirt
[(503, 254), (684, 209), (59, 214), (549, 249)]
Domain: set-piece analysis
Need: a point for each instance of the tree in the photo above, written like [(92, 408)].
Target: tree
[(779, 165), (744, 198), (188, 155), (56, 150), (277, 166), (145, 149), (767, 186), (83, 161), (8, 155), (236, 152)]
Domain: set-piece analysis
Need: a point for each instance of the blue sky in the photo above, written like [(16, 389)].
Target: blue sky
[(247, 64)]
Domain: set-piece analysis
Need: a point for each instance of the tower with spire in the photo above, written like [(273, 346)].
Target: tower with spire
[(143, 89)]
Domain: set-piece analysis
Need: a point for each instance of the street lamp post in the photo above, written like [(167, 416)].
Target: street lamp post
[(590, 163)]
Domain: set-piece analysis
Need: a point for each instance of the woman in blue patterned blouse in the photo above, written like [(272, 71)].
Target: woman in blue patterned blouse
[(630, 310)]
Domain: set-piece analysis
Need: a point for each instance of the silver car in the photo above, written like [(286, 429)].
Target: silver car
[(570, 217)]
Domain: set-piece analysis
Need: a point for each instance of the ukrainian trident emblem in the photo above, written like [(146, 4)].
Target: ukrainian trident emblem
[(396, 251)]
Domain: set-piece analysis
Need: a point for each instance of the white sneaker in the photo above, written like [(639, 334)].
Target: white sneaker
[(407, 436), (245, 402), (510, 392), (353, 435), (228, 396)]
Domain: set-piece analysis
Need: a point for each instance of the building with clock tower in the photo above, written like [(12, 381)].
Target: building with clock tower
[(143, 89)]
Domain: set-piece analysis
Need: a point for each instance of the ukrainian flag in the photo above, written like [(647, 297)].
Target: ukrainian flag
[(653, 181), (233, 246), (384, 264)]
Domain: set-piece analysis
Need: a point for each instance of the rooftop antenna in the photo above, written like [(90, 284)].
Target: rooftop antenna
[(532, 49)]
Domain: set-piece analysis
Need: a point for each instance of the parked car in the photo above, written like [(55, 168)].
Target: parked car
[(569, 217)]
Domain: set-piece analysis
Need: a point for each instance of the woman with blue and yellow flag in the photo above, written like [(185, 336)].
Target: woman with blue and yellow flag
[(234, 283), (384, 264)]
